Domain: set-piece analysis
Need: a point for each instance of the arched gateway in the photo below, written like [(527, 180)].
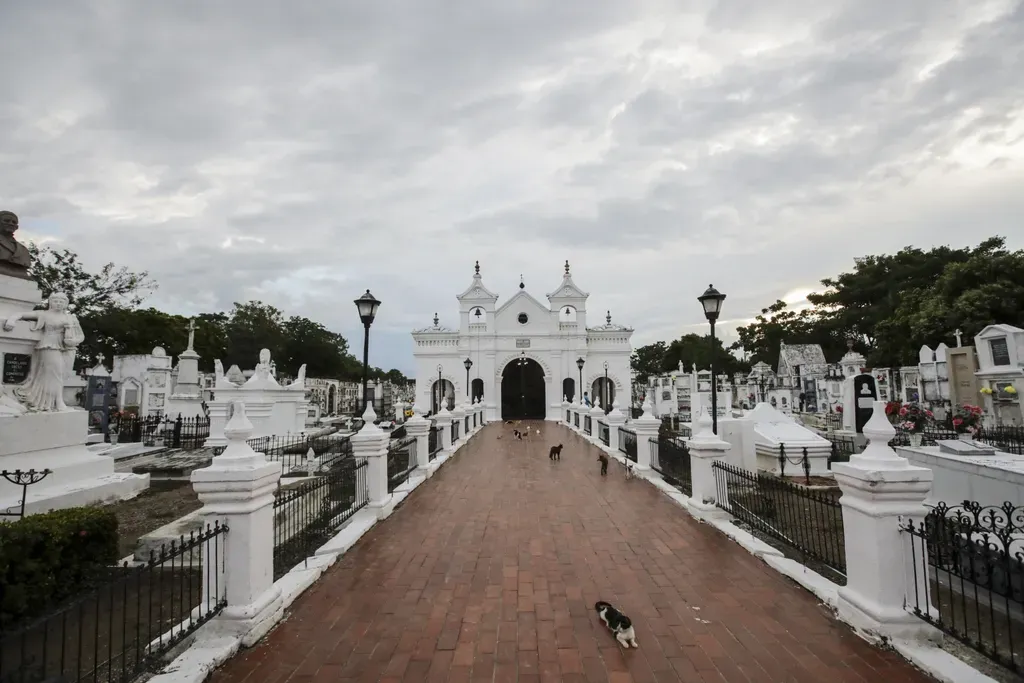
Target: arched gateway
[(522, 391), (563, 353)]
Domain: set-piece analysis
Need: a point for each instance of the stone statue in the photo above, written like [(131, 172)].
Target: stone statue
[(14, 256), (54, 355)]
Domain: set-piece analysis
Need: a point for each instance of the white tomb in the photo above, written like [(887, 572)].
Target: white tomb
[(38, 431), (274, 410), (1000, 350), (773, 428), (187, 398)]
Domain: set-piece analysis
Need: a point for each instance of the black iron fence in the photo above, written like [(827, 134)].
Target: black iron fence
[(293, 451), (401, 461), (568, 416), (455, 431), (433, 442), (627, 443), (969, 576), (577, 419), (670, 457), (587, 425), (24, 479), (804, 520), (399, 432), (308, 513), (842, 448), (186, 433), (1009, 438), (799, 458), (125, 625), (603, 433)]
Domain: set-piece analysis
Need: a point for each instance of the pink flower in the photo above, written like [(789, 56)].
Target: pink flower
[(903, 411), (928, 413), (957, 422)]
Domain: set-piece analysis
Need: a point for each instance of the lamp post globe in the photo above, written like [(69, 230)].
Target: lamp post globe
[(711, 301), (468, 363), (606, 392), (367, 306)]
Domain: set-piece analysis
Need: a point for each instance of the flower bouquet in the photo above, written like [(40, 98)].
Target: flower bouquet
[(913, 419), (967, 421), (892, 411)]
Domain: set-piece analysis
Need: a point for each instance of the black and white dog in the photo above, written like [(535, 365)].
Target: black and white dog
[(555, 453), (618, 623), (516, 434)]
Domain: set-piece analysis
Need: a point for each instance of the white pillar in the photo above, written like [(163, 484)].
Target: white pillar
[(459, 415), (879, 488), (566, 406), (420, 428), (237, 490), (371, 444), (616, 419), (444, 421), (705, 449), (646, 427), (595, 414)]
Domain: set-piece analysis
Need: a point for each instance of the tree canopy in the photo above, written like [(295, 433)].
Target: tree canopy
[(108, 306), (690, 349)]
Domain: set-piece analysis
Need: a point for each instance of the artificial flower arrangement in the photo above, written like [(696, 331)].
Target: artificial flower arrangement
[(986, 390), (892, 411), (967, 419), (913, 418), (1010, 389), (839, 409)]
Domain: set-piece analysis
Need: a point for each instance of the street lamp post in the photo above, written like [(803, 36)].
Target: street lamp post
[(440, 387), (522, 382), (606, 392), (367, 306), (712, 300), (579, 364), (468, 363)]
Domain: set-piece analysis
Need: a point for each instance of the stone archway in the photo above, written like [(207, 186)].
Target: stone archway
[(476, 389), (523, 391), (604, 391), (569, 389), (447, 393)]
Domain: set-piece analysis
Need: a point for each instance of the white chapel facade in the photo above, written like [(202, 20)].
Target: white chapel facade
[(524, 354)]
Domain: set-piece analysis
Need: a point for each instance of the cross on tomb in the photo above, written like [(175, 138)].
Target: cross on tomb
[(99, 358), (958, 334)]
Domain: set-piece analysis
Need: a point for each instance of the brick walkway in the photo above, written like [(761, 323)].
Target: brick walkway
[(490, 570)]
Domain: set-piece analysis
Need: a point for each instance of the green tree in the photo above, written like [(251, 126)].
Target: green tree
[(311, 343), (648, 360), (778, 323), (62, 271), (696, 349), (251, 327)]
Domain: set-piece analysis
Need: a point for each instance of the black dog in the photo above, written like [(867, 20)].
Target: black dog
[(618, 623), (516, 434), (556, 452), (603, 458)]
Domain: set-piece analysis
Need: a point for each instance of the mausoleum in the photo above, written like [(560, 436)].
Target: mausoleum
[(522, 358)]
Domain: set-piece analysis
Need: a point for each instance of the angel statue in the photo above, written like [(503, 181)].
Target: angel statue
[(54, 356)]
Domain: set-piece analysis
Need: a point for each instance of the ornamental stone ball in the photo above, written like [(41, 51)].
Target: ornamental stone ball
[(15, 258)]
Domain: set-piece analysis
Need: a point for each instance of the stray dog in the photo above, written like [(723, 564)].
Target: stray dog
[(618, 623), (630, 472), (603, 458), (555, 453), (516, 434)]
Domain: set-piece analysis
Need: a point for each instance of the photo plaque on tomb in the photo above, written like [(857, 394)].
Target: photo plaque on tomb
[(865, 393), (15, 368)]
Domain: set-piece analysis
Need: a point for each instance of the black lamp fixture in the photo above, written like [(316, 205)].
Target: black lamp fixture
[(367, 306), (468, 363), (712, 300), (579, 364), (522, 381), (440, 387)]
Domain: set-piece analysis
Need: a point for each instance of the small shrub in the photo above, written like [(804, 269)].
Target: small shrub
[(47, 558)]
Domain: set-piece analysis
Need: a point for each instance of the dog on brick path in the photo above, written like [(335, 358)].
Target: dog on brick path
[(516, 434), (630, 472), (555, 453), (618, 623), (603, 459)]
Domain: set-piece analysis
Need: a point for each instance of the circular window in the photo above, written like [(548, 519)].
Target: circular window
[(523, 318)]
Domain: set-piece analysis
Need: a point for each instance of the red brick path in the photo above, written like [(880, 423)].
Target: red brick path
[(490, 570)]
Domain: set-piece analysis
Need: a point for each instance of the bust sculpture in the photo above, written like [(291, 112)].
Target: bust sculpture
[(54, 355), (14, 256)]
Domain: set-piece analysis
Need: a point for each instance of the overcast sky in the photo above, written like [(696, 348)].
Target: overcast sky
[(299, 152)]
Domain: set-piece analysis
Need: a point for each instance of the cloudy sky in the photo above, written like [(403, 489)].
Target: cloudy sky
[(299, 152)]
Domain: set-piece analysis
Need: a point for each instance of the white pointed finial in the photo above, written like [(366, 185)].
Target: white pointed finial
[(647, 407), (703, 429), (879, 432), (238, 428)]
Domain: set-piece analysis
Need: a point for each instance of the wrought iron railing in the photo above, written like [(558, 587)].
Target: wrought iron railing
[(805, 520), (627, 443), (587, 425), (186, 433), (577, 419), (433, 441), (401, 462), (123, 626), (969, 576), (603, 433), (455, 431), (799, 458), (24, 479), (670, 457), (292, 450), (568, 416), (308, 513)]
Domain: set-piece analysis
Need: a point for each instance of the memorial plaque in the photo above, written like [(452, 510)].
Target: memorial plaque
[(16, 367), (865, 391), (522, 343)]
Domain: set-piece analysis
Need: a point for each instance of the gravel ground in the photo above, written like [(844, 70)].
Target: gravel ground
[(163, 502)]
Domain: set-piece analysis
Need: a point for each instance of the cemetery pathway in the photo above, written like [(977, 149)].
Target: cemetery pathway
[(490, 570)]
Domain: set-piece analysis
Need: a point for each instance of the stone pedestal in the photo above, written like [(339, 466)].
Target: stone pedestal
[(237, 490), (616, 419), (371, 444), (459, 415), (705, 449), (444, 421), (879, 488), (596, 415), (646, 427), (419, 428)]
